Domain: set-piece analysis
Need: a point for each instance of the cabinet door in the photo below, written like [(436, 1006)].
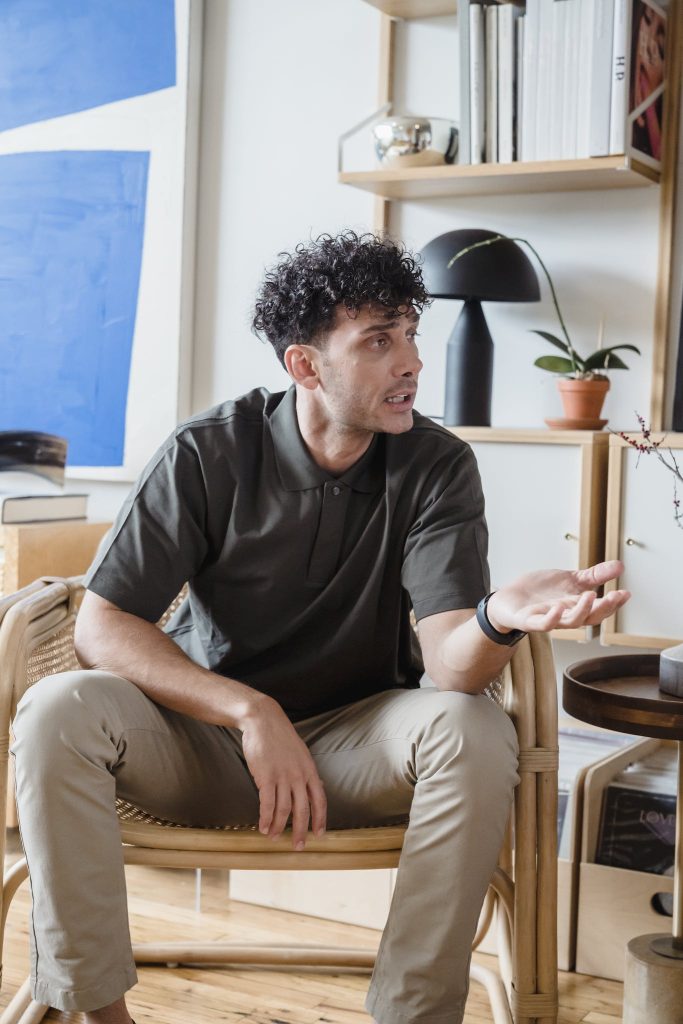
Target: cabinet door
[(544, 506), (642, 532), (533, 507)]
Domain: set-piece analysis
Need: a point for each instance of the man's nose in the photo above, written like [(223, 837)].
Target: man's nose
[(410, 363)]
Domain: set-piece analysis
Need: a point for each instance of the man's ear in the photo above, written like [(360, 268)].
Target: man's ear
[(301, 364)]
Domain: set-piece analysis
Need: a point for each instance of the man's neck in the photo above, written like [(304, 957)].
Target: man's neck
[(332, 446)]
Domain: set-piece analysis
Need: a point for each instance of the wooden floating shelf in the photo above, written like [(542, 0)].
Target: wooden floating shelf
[(415, 8), (501, 179), (531, 435), (409, 9)]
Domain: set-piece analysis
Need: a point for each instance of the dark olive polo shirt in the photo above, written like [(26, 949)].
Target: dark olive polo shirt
[(300, 583)]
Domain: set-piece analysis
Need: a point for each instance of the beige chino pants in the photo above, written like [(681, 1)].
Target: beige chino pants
[(83, 737)]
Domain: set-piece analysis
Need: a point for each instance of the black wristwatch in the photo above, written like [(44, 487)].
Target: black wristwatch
[(505, 639)]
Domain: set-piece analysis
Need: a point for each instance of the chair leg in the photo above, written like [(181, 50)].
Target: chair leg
[(22, 1009), (17, 874), (495, 990)]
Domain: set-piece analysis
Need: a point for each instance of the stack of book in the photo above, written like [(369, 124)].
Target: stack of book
[(561, 80), (23, 509), (18, 507)]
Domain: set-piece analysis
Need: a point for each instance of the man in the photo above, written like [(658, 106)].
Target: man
[(286, 688)]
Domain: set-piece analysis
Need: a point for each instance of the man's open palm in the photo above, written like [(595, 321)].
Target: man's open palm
[(557, 599)]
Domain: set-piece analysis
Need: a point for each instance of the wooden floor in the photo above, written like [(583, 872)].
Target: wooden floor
[(162, 904)]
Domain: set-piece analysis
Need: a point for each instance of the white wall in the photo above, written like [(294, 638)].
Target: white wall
[(281, 81)]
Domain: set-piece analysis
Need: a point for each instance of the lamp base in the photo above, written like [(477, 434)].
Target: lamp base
[(469, 370)]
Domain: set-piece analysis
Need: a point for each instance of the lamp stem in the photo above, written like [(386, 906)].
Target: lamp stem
[(469, 370)]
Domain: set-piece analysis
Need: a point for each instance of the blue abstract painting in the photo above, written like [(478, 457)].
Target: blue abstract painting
[(71, 236), (62, 56)]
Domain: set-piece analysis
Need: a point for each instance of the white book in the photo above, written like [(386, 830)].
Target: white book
[(619, 80), (557, 59), (585, 84), (477, 83), (571, 75), (33, 508), (506, 82), (543, 80), (529, 84), (464, 142), (491, 130), (601, 78), (520, 30)]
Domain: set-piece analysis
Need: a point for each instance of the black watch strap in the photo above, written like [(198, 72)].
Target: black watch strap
[(505, 639)]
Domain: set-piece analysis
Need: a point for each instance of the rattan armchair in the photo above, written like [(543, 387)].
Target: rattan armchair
[(36, 639)]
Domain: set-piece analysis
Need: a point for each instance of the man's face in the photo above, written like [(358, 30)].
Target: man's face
[(368, 370)]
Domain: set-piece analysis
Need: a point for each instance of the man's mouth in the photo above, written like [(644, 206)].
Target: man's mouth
[(404, 399)]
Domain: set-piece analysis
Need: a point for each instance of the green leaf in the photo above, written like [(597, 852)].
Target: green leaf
[(557, 342), (605, 360), (555, 364), (613, 348)]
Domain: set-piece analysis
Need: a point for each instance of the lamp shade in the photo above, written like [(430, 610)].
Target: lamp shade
[(501, 272)]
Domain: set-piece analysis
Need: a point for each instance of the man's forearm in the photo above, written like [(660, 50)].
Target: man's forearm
[(115, 641), (464, 659)]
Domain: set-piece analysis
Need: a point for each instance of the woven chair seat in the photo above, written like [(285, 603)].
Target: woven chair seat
[(143, 829)]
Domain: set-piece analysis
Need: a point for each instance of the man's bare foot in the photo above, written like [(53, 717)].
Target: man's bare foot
[(115, 1013)]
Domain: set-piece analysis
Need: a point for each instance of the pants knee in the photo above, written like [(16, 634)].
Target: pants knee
[(474, 731), (61, 711)]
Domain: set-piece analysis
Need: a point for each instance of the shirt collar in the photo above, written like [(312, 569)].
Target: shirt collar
[(300, 472)]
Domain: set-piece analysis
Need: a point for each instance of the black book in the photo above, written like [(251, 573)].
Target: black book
[(637, 830)]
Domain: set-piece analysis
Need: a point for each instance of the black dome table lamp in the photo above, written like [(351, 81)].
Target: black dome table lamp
[(499, 272)]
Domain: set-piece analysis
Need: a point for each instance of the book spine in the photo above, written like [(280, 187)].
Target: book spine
[(601, 77), (543, 83), (464, 136), (571, 77), (491, 130), (520, 32), (529, 94), (559, 31), (477, 83), (506, 79), (619, 78), (585, 85)]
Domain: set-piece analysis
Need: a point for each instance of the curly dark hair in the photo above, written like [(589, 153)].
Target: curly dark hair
[(298, 298)]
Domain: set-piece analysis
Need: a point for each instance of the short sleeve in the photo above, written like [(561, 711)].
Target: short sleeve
[(445, 556), (158, 541)]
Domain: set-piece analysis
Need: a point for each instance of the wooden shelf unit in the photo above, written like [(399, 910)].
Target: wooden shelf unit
[(415, 8), (502, 179)]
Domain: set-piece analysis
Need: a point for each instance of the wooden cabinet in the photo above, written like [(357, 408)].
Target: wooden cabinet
[(642, 532), (31, 550), (545, 494)]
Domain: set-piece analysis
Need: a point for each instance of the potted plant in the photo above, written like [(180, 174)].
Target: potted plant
[(583, 384)]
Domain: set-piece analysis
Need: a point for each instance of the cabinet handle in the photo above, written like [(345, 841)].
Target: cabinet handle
[(630, 542), (570, 536)]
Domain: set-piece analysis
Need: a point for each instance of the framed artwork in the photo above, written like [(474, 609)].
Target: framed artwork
[(647, 80), (677, 398), (98, 148)]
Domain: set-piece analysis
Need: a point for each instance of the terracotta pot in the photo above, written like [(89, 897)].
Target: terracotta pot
[(583, 399)]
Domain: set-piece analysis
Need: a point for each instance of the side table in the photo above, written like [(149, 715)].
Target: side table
[(621, 692)]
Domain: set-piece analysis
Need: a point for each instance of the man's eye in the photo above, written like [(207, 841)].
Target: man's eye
[(381, 342)]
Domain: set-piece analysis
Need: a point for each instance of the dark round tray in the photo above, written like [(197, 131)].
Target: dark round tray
[(621, 692)]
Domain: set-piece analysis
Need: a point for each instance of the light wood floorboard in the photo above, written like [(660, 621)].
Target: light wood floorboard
[(162, 904)]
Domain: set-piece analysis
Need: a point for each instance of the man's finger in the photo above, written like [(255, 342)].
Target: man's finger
[(318, 802), (598, 574), (300, 817), (575, 616), (266, 807), (283, 807)]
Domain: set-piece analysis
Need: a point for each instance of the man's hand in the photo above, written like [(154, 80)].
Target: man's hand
[(285, 774), (556, 599)]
